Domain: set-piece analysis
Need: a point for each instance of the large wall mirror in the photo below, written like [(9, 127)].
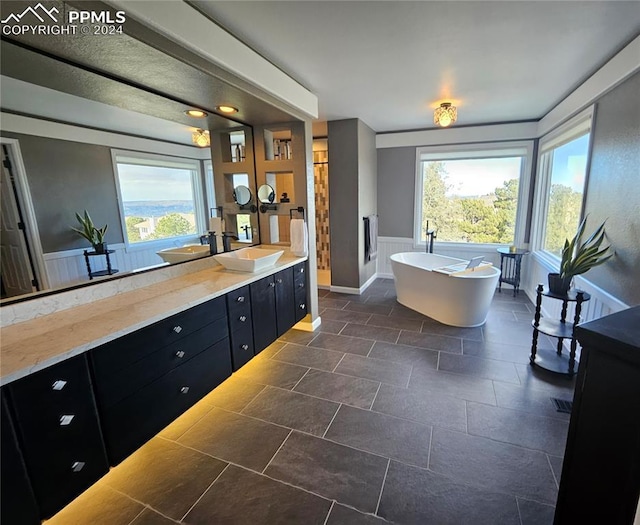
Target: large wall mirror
[(102, 126)]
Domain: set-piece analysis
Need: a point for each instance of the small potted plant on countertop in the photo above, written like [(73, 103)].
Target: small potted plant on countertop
[(94, 235), (579, 257)]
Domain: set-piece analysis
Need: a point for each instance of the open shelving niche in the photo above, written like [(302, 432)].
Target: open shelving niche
[(281, 163), (233, 157)]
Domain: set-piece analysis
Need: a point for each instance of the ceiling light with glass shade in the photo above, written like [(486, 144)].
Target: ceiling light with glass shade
[(201, 138), (445, 115)]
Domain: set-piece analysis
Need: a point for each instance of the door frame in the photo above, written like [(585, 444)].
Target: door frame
[(25, 203)]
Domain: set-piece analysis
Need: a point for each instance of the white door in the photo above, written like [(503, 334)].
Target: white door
[(15, 268)]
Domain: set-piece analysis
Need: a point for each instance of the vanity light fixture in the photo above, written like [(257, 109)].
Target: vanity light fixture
[(226, 109), (201, 138), (197, 113), (445, 115)]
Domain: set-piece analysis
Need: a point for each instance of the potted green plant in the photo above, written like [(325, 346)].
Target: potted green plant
[(88, 230), (579, 257)]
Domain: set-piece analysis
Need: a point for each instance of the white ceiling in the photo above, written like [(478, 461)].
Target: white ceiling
[(391, 63)]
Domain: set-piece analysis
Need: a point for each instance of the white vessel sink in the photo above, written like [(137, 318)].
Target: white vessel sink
[(184, 253), (249, 259)]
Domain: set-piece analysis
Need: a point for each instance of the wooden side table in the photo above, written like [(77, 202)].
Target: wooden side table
[(510, 268), (557, 362), (99, 273)]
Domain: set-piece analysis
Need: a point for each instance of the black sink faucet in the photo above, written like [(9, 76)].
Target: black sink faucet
[(226, 240), (246, 231)]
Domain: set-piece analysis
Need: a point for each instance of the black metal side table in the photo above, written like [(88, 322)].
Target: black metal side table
[(510, 268), (99, 273), (548, 359)]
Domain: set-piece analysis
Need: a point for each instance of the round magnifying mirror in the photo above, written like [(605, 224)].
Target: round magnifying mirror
[(242, 195), (266, 194)]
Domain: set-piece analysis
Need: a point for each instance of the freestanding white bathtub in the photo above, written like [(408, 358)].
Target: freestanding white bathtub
[(457, 300)]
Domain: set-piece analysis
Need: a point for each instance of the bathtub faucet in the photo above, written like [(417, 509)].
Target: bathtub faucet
[(431, 235)]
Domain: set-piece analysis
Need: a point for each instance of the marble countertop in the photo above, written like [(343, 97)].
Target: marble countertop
[(29, 346)]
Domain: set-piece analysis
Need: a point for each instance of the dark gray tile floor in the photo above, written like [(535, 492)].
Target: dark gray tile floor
[(381, 416)]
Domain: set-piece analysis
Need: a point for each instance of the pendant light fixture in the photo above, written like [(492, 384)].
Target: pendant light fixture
[(445, 115)]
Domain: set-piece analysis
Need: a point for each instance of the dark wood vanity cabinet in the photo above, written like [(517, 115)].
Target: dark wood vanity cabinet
[(600, 481), (240, 326), (17, 502), (58, 432), (63, 426), (147, 379), (273, 308)]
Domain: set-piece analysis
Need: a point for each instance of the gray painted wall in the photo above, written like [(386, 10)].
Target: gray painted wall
[(65, 177), (367, 192), (352, 195), (614, 189), (343, 198), (396, 189)]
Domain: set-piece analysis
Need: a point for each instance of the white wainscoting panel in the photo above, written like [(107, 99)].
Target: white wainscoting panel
[(68, 267), (600, 304)]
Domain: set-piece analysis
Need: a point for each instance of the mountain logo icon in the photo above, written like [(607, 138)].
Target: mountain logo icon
[(35, 11)]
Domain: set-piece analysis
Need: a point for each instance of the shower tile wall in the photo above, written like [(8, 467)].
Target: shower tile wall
[(321, 180)]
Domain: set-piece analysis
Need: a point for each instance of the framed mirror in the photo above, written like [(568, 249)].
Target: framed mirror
[(77, 140), (266, 194)]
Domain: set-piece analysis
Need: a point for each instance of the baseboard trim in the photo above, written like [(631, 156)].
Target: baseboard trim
[(354, 291), (308, 326)]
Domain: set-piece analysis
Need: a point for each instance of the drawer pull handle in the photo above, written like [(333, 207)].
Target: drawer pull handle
[(240, 299), (184, 390), (301, 285), (301, 270), (242, 318), (245, 347), (302, 306), (272, 284), (77, 466), (66, 419), (177, 329), (59, 384), (279, 281), (179, 354)]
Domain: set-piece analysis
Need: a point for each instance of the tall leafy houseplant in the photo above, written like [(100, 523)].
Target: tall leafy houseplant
[(579, 257), (88, 230)]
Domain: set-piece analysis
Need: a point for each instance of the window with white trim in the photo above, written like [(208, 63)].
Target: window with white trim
[(473, 194), (562, 174), (160, 197)]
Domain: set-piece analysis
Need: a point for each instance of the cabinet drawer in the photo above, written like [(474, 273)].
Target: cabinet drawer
[(59, 389), (240, 319), (112, 388), (300, 272), (59, 432), (285, 312), (241, 347), (239, 301), (61, 469), (300, 303), (119, 354), (130, 423)]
